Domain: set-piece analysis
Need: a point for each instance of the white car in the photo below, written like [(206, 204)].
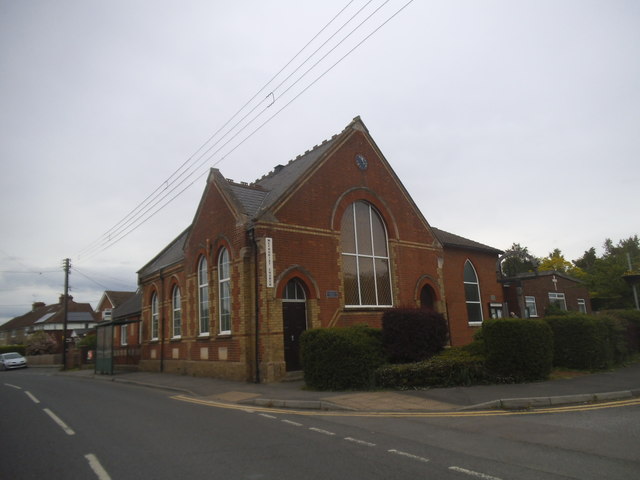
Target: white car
[(12, 360)]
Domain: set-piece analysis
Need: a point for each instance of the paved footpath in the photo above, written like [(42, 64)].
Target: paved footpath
[(619, 384)]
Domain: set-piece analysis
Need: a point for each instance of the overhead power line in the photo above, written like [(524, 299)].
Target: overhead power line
[(165, 193)]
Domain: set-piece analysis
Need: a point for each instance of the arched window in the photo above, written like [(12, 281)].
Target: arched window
[(154, 316), (365, 257), (224, 289), (472, 293), (177, 312), (294, 291), (203, 297)]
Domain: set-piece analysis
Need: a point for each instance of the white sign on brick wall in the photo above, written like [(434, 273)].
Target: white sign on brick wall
[(268, 247)]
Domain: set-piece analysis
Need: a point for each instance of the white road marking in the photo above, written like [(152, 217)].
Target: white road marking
[(97, 467), (408, 455), (483, 476), (359, 442), (319, 430), (267, 416), (56, 419), (295, 424), (13, 386), (32, 397)]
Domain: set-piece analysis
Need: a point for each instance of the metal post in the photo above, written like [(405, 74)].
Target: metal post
[(67, 267)]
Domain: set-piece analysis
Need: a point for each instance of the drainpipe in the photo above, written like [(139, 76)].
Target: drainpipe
[(161, 320), (256, 255)]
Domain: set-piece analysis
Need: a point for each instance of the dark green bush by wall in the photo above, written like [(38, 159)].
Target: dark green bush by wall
[(411, 335), (518, 349), (341, 358), (590, 342)]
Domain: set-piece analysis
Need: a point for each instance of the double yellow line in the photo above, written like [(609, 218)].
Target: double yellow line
[(404, 414)]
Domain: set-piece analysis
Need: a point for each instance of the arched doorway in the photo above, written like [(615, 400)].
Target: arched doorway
[(294, 320), (428, 299)]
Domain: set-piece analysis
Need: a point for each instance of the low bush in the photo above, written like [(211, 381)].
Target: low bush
[(341, 358), (41, 343), (412, 335), (13, 348), (582, 341), (454, 367), (632, 319), (518, 349)]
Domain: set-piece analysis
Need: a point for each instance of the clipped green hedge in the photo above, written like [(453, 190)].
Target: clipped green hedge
[(412, 335), (341, 358), (592, 342), (518, 349), (13, 348), (454, 367), (632, 319)]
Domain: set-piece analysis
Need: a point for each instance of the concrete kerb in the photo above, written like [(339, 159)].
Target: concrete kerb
[(295, 404), (542, 402)]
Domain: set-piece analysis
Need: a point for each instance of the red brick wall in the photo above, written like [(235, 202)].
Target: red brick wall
[(490, 290)]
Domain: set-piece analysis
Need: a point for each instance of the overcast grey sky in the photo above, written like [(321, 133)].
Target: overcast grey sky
[(507, 121)]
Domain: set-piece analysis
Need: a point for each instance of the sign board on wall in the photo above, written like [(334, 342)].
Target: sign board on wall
[(268, 247)]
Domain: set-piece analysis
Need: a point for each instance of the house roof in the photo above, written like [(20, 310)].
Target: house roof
[(131, 307), (543, 273), (115, 297), (170, 255), (456, 241), (47, 314)]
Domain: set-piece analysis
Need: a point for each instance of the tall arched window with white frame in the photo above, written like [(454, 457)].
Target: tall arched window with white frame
[(472, 294), (176, 305), (224, 291), (203, 297), (365, 257), (154, 316)]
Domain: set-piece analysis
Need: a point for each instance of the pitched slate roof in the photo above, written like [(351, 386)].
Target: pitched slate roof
[(131, 307), (117, 298), (456, 241), (172, 254)]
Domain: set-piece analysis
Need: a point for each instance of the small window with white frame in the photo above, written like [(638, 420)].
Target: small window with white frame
[(530, 306), (123, 335), (582, 305)]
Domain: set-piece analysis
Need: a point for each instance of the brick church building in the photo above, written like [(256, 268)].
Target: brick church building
[(330, 239)]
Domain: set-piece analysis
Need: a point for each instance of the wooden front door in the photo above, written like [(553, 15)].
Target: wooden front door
[(294, 319)]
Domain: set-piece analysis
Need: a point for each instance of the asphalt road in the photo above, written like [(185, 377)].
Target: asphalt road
[(59, 427)]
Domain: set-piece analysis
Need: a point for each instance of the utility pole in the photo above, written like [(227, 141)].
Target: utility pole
[(66, 263)]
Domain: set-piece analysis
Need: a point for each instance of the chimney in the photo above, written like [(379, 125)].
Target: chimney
[(62, 298), (277, 168), (37, 305)]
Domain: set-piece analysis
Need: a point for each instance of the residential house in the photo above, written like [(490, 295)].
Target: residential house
[(50, 319), (530, 295), (111, 299), (332, 238)]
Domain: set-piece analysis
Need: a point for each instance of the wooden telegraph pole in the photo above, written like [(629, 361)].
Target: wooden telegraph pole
[(66, 263)]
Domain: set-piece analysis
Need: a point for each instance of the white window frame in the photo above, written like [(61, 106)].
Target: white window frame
[(557, 297), (203, 297), (154, 316), (106, 314), (224, 300), (123, 335), (582, 305), (530, 300), (357, 255), (176, 310), (467, 302)]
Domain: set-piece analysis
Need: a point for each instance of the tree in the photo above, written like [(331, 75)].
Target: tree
[(40, 343), (517, 259), (555, 261), (603, 275)]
